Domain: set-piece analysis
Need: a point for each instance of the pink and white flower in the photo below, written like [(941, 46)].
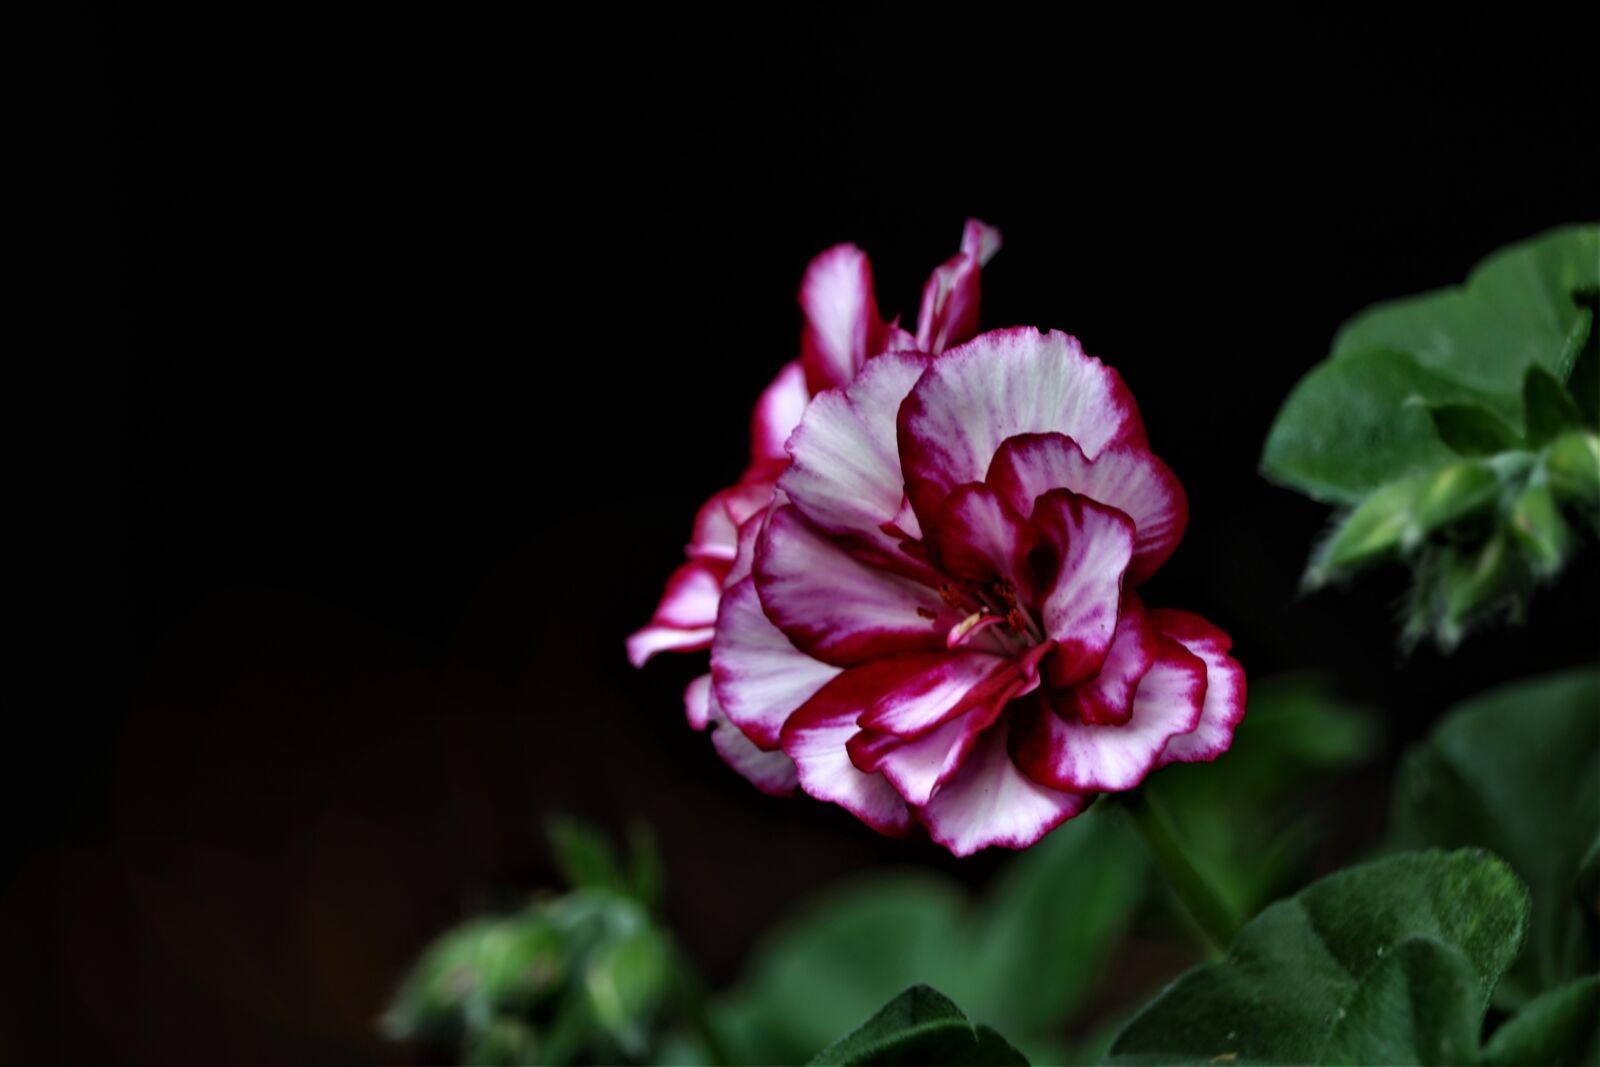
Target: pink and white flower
[(843, 332), (936, 619)]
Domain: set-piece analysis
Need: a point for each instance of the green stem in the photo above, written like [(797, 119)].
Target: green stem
[(1203, 903)]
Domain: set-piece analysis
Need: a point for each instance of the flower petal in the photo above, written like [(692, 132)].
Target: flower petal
[(686, 614), (1225, 687), (1126, 477), (980, 537), (911, 694), (1091, 545), (990, 802), (697, 702), (758, 677), (845, 471), (716, 524), (842, 323), (777, 413), (1071, 754), (771, 772), (815, 737), (998, 385), (1107, 698), (835, 607), (949, 313)]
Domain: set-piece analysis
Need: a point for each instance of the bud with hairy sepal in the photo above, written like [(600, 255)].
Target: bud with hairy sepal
[(1454, 494), (1539, 530), (1381, 528), (1474, 581), (1572, 462)]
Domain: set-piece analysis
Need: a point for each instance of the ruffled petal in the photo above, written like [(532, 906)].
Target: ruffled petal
[(1000, 384), (835, 607), (1071, 754), (758, 677), (980, 537), (1225, 687), (845, 470), (1085, 550), (911, 694), (842, 323), (1107, 698), (776, 415), (990, 802), (949, 312), (645, 643), (815, 737), (1125, 477)]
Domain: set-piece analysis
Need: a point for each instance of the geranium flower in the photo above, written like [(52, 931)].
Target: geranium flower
[(937, 620), (843, 331)]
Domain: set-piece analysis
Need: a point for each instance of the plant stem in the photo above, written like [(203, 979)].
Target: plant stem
[(1203, 903)]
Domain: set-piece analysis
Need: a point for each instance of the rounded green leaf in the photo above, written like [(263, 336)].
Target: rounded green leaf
[(1560, 1027), (922, 1026), (1299, 971)]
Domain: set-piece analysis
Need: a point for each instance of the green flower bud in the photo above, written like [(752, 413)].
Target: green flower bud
[(436, 993), (521, 961), (626, 980), (1474, 580), (506, 1042), (1573, 464), (1540, 531), (1453, 494), (1380, 528)]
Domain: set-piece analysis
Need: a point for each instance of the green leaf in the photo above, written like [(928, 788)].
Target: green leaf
[(921, 1025), (1548, 409), (1355, 424), (1514, 771), (1520, 307), (1389, 962), (1471, 430), (1560, 1027), (583, 855), (1357, 421)]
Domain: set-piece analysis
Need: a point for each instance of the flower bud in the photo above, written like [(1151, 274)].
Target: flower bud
[(1540, 531), (1573, 464), (1473, 581), (1454, 493), (1381, 527), (626, 980)]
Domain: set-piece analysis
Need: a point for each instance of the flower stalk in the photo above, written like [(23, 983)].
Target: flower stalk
[(1210, 912)]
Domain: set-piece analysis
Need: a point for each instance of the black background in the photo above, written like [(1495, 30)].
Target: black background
[(386, 362)]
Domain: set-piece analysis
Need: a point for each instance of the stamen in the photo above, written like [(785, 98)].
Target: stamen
[(963, 630)]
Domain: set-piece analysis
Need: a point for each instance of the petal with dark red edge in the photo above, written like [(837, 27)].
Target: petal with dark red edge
[(1071, 754), (716, 524), (949, 312), (697, 702), (685, 616), (990, 802), (1129, 479), (771, 772), (815, 737), (1107, 698), (844, 474), (842, 323), (1084, 550), (981, 538), (1225, 687), (1000, 384), (758, 677), (835, 607)]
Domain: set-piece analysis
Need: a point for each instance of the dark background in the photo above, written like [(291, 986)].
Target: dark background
[(386, 362)]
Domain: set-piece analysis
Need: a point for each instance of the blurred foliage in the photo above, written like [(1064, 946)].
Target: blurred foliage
[(1517, 771), (921, 1025), (1458, 429), (1025, 954), (1250, 819), (586, 976), (1389, 962)]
